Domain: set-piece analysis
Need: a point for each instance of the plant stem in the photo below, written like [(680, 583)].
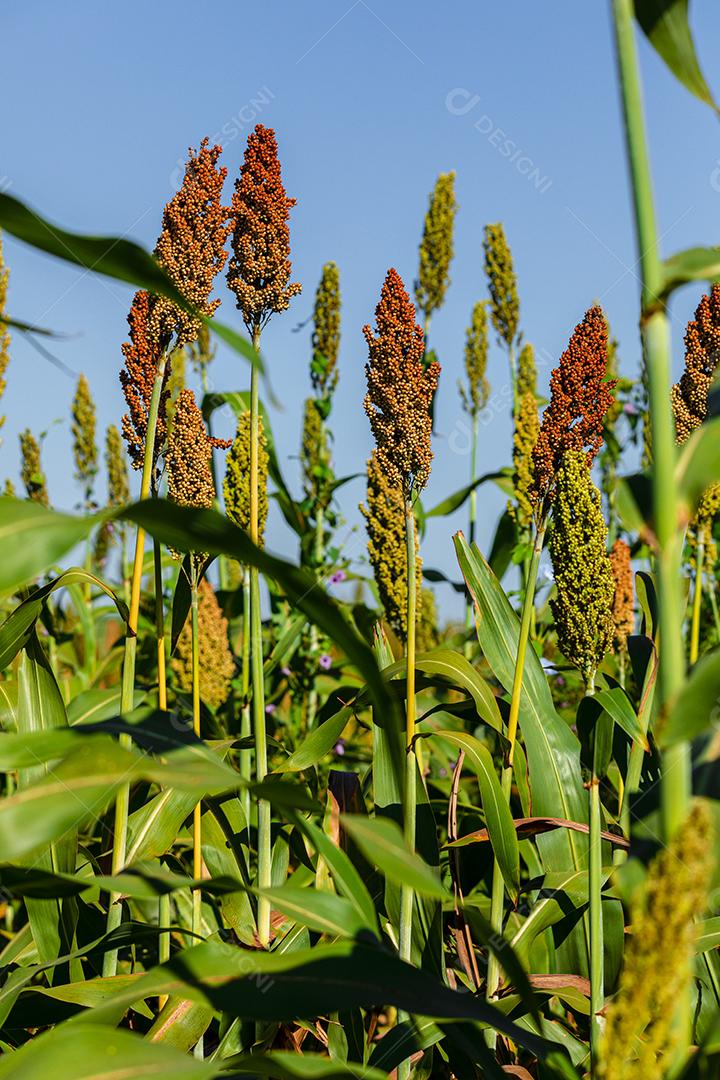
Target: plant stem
[(410, 789), (245, 721), (675, 786), (697, 598), (163, 901), (597, 979), (318, 560), (127, 691), (498, 889), (197, 811), (472, 526), (256, 669)]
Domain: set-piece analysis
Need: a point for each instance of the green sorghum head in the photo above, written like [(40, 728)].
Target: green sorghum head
[(176, 381), (9, 488), (236, 486), (475, 394), (216, 663), (202, 352), (387, 546), (436, 246), (85, 451), (326, 331), (314, 456), (505, 306), (31, 470), (527, 428), (527, 371), (117, 471), (640, 1032), (427, 632), (582, 606), (701, 526)]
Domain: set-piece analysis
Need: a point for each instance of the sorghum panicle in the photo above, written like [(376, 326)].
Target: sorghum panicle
[(176, 382), (436, 247), (202, 353), (582, 606), (118, 481), (85, 451), (689, 396), (191, 246), (504, 302), (385, 523), (579, 399), (260, 267), (4, 333), (527, 371), (326, 331), (31, 470), (188, 457), (623, 607), (475, 394), (216, 664), (400, 392), (640, 1032), (428, 636), (236, 486), (701, 526), (525, 436), (314, 456), (142, 357)]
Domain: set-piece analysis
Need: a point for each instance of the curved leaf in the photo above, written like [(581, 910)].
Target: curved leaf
[(665, 24), (382, 843)]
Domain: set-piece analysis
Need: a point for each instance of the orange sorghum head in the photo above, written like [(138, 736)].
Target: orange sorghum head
[(189, 451), (260, 267), (191, 247), (579, 399), (400, 390), (623, 608), (689, 396), (142, 356)]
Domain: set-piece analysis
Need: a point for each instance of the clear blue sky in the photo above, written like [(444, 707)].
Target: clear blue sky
[(370, 101)]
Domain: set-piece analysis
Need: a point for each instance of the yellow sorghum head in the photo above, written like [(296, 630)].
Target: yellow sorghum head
[(689, 396), (188, 456), (9, 488), (314, 455), (427, 632), (400, 389), (236, 486), (216, 663), (4, 334), (701, 526), (385, 523), (436, 246), (475, 394), (326, 331), (640, 1034), (582, 606), (31, 470), (623, 609), (527, 371), (202, 352), (504, 306), (527, 429), (85, 452), (118, 482)]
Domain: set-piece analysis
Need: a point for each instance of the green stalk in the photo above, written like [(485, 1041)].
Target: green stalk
[(498, 890), (697, 598), (245, 721), (675, 786), (163, 901), (410, 789), (127, 690), (597, 979), (472, 526), (714, 606), (318, 559), (197, 811), (264, 875)]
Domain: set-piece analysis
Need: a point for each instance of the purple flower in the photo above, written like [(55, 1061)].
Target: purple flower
[(325, 661), (337, 577), (629, 409), (339, 748), (270, 709), (286, 672), (559, 681)]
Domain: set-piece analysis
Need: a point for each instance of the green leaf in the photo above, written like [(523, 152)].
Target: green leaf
[(617, 705), (16, 629), (455, 501), (443, 667), (93, 1052), (559, 895), (696, 707), (497, 812), (553, 752), (187, 529), (287, 1065), (317, 909), (665, 24), (34, 538), (503, 544), (382, 843), (346, 878), (112, 256), (699, 463), (695, 264), (319, 742)]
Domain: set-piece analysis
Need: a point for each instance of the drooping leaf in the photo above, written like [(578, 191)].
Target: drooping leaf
[(33, 538), (666, 26), (382, 843)]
